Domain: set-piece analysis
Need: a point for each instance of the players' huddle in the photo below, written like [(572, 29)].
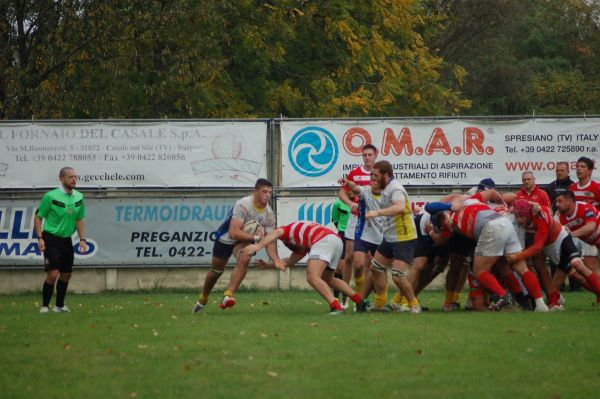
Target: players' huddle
[(497, 242)]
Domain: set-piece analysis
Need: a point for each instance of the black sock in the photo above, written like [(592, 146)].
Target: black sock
[(336, 293), (47, 291), (61, 291)]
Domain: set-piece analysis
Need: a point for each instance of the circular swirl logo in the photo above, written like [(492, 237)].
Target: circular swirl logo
[(313, 151)]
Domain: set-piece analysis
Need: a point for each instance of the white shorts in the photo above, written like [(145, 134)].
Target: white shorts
[(585, 248), (351, 227), (498, 238), (552, 251), (328, 249)]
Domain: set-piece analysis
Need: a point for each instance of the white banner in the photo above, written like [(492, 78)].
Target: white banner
[(445, 152), (122, 232), (217, 154)]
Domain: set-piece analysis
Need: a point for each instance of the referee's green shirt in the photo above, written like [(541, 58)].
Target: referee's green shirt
[(60, 211)]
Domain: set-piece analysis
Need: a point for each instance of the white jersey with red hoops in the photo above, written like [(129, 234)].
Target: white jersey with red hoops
[(359, 176), (304, 234), (590, 193), (584, 213)]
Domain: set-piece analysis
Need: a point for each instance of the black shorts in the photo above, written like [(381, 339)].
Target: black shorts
[(365, 246), (222, 251), (459, 244), (341, 235), (425, 247), (402, 250), (568, 252), (59, 253)]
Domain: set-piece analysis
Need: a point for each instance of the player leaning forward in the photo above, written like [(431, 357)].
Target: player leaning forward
[(62, 211), (399, 235), (230, 235), (324, 249)]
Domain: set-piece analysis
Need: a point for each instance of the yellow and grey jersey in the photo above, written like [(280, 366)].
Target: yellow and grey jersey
[(402, 226)]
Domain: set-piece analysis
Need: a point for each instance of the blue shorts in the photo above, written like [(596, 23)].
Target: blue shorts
[(402, 250), (364, 246)]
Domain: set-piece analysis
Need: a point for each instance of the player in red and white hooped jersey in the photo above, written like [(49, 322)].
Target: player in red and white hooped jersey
[(531, 192), (558, 245), (496, 237), (583, 221), (361, 176), (585, 189), (324, 249)]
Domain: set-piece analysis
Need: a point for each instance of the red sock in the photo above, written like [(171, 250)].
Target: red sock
[(356, 298), (490, 283), (553, 297), (511, 282), (335, 305), (594, 283), (532, 284)]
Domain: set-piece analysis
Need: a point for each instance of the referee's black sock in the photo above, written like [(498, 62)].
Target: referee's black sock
[(336, 293), (47, 291), (61, 291)]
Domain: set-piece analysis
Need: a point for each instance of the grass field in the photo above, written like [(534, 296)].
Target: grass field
[(284, 344)]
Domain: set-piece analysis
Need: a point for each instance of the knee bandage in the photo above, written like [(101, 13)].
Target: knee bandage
[(377, 266), (399, 273), (217, 271)]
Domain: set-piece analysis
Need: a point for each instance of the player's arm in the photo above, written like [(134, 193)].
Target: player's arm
[(236, 233), (397, 208), (270, 238), (509, 197), (352, 186), (492, 195), (37, 225), (539, 239), (80, 227), (587, 228), (289, 261)]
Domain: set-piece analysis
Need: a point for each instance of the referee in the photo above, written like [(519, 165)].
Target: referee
[(62, 210)]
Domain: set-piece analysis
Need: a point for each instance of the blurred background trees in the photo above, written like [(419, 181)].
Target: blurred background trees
[(297, 58)]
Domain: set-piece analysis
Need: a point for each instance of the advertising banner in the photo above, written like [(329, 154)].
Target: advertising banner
[(123, 232), (444, 152), (165, 154)]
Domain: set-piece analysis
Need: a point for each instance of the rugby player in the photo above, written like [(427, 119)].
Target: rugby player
[(360, 176), (324, 250), (551, 237), (230, 238)]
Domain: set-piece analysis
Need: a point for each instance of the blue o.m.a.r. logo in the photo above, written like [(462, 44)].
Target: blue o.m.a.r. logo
[(315, 212), (313, 151)]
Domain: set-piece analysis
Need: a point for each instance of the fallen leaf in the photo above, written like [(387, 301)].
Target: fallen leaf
[(531, 334), (374, 321), (177, 347), (67, 346), (142, 346), (133, 394), (265, 303), (263, 335), (419, 351), (313, 324), (272, 373), (174, 317)]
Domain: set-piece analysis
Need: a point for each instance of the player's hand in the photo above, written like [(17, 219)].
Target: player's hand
[(251, 249), (42, 244), (263, 265), (535, 208), (342, 181), (428, 228), (371, 214), (83, 247), (281, 265), (354, 208)]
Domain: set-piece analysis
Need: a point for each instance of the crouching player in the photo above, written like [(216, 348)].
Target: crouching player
[(557, 245), (324, 249)]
